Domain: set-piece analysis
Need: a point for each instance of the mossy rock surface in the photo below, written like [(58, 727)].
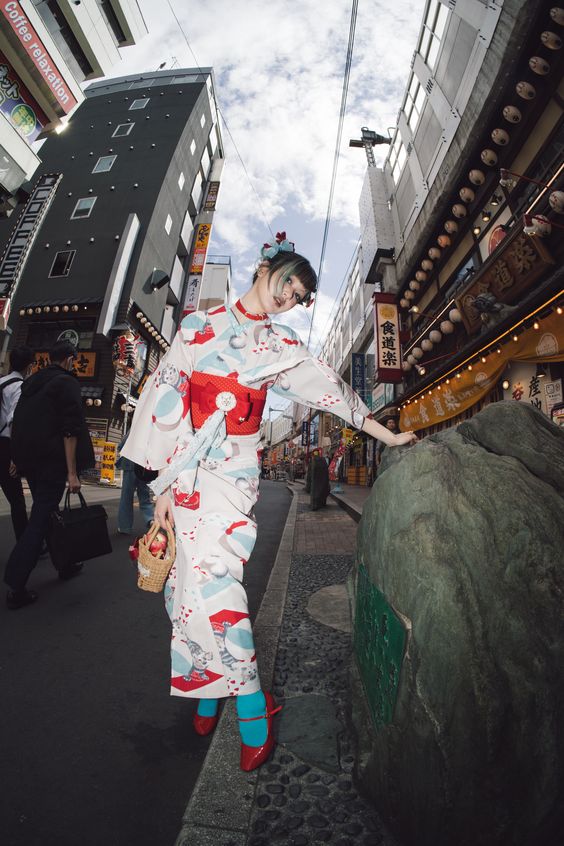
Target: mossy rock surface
[(464, 535)]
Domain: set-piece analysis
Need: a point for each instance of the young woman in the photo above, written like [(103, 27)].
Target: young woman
[(198, 423)]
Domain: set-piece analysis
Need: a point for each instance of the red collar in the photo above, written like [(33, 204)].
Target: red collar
[(240, 307)]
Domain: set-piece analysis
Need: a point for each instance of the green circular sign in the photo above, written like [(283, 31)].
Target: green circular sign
[(23, 118)]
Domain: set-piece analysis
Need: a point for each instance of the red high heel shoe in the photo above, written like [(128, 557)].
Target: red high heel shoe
[(253, 756), (204, 725)]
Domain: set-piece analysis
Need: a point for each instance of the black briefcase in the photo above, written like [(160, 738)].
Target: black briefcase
[(78, 534)]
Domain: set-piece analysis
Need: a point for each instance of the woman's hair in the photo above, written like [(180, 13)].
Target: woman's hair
[(293, 264)]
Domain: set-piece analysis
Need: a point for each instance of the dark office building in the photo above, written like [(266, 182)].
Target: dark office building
[(139, 170)]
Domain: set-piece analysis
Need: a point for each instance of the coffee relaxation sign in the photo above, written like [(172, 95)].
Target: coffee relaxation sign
[(35, 49)]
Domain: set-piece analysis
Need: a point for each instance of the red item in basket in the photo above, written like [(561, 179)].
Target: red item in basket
[(134, 550), (158, 546)]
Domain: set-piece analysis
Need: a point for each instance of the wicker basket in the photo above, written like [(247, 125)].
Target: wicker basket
[(153, 571)]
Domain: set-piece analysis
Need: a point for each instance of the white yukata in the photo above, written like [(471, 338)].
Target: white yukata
[(213, 478)]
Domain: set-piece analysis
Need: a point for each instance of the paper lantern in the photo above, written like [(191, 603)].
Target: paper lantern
[(406, 366), (124, 353), (477, 177), (434, 253), (443, 241), (414, 285), (551, 40), (525, 90), (426, 264), (500, 137), (466, 195), (447, 328), (557, 15), (421, 276), (417, 353), (435, 336), (537, 224), (459, 210), (512, 114), (556, 201), (411, 359), (409, 295), (426, 345), (404, 303), (488, 157), (455, 315), (539, 65), (451, 226)]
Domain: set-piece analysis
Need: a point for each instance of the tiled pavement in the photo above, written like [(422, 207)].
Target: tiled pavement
[(329, 530)]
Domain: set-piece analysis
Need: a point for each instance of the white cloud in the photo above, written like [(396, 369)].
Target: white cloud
[(279, 71)]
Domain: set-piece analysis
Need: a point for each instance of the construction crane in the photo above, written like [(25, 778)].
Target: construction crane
[(369, 140)]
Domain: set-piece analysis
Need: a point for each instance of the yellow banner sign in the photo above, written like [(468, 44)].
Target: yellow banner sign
[(449, 400), (108, 468)]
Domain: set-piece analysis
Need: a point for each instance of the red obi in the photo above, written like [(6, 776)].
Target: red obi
[(243, 406)]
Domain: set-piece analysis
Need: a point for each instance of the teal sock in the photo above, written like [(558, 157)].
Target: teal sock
[(207, 707), (255, 732)]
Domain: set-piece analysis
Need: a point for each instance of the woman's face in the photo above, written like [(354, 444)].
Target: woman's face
[(276, 295)]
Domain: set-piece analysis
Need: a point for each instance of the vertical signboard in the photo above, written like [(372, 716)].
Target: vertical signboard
[(386, 339), (194, 283), (25, 231), (359, 375)]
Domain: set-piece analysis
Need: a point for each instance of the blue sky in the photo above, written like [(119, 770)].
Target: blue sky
[(279, 71)]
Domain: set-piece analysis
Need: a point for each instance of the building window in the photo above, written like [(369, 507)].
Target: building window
[(110, 18), (104, 164), (203, 121), (168, 224), (83, 207), (139, 103), (62, 263), (193, 147), (54, 19), (181, 181), (397, 157), (122, 129)]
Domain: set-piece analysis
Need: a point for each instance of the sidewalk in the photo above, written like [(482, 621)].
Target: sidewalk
[(305, 794)]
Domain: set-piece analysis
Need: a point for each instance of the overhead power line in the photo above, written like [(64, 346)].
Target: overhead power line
[(344, 93)]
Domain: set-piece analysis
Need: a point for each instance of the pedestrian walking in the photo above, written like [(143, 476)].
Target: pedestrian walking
[(197, 422), (50, 447), (21, 362), (392, 425), (132, 482)]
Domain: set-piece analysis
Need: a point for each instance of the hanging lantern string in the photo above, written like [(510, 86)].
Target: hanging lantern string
[(431, 360)]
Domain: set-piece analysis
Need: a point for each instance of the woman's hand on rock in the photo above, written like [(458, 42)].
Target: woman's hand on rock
[(404, 438), (163, 510)]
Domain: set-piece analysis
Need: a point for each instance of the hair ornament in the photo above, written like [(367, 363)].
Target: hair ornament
[(282, 245)]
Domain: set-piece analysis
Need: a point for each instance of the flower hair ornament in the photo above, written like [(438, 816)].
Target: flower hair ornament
[(282, 245)]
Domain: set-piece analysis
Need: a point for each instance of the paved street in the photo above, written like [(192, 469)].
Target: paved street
[(94, 751)]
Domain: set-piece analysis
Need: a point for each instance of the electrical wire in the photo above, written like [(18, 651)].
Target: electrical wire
[(342, 110), (220, 112)]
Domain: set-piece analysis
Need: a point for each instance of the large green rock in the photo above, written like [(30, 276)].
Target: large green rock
[(463, 538)]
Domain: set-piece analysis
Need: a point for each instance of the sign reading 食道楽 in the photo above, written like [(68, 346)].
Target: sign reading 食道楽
[(386, 339), (35, 49), (25, 231)]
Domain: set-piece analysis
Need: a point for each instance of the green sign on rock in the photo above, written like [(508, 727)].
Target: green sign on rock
[(379, 644)]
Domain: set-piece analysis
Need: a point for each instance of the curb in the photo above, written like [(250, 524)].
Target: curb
[(219, 810)]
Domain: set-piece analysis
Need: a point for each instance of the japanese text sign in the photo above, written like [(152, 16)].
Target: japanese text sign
[(386, 335)]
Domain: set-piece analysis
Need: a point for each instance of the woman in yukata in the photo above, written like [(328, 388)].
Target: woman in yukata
[(198, 422)]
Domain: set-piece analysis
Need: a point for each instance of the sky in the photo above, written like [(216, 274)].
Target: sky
[(279, 73)]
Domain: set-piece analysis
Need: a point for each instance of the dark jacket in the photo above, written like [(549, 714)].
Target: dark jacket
[(50, 408)]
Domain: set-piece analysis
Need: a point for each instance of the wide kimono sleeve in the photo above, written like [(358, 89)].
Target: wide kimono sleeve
[(162, 415), (310, 382)]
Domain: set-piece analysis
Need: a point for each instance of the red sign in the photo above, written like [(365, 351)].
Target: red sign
[(4, 312), (35, 49)]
